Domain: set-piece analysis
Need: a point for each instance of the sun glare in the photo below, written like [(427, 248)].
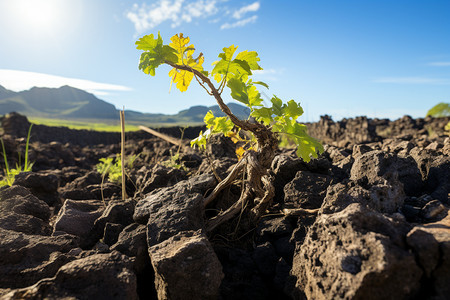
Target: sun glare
[(38, 16)]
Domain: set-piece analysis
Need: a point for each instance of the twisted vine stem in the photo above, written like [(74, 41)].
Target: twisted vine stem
[(259, 185)]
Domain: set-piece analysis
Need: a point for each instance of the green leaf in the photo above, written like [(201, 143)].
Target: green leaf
[(228, 67), (306, 146), (228, 52), (239, 67), (292, 110), (244, 93), (148, 42), (238, 90), (254, 97), (261, 83), (263, 114), (149, 62), (200, 141), (439, 110), (209, 119), (217, 125), (251, 58), (223, 125), (155, 55), (232, 69), (169, 54), (277, 105)]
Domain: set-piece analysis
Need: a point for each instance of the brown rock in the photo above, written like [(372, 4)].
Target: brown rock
[(186, 267), (355, 254), (431, 245)]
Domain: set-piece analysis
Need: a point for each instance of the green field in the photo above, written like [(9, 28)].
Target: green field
[(104, 125), (111, 126)]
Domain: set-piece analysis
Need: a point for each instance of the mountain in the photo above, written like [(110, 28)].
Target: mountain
[(63, 102), (197, 113), (5, 93), (72, 103)]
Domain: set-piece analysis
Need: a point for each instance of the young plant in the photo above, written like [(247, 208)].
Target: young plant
[(113, 167), (263, 126), (10, 174), (174, 159)]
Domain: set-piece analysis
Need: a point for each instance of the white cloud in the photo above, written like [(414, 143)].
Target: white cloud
[(146, 17), (440, 64), (265, 72), (21, 80), (238, 14), (239, 23), (268, 74), (413, 80)]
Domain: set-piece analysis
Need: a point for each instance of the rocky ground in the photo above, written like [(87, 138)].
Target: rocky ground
[(368, 219)]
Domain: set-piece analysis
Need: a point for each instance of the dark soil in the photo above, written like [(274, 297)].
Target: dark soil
[(395, 174)]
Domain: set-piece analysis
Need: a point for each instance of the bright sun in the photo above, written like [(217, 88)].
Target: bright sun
[(39, 16)]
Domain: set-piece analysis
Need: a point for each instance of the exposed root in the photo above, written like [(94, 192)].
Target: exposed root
[(229, 213), (263, 203), (300, 211), (258, 187), (226, 182)]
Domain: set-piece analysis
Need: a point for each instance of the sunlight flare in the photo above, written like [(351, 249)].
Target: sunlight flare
[(39, 16)]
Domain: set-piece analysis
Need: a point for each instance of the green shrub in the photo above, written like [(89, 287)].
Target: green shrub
[(439, 110)]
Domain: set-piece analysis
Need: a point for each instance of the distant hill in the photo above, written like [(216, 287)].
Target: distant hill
[(5, 93), (63, 102), (73, 103)]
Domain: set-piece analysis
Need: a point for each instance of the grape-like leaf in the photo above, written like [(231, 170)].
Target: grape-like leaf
[(239, 67), (209, 119), (233, 68), (184, 53), (148, 63), (307, 146), (263, 114), (179, 43), (182, 78), (292, 109), (218, 125), (148, 42), (228, 67), (277, 104), (245, 93), (251, 57), (155, 55), (238, 90), (223, 125), (228, 52), (169, 53), (254, 97)]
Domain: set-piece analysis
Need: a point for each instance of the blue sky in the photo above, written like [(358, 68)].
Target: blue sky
[(380, 58)]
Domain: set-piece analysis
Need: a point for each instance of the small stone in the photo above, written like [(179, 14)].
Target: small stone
[(432, 209)]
